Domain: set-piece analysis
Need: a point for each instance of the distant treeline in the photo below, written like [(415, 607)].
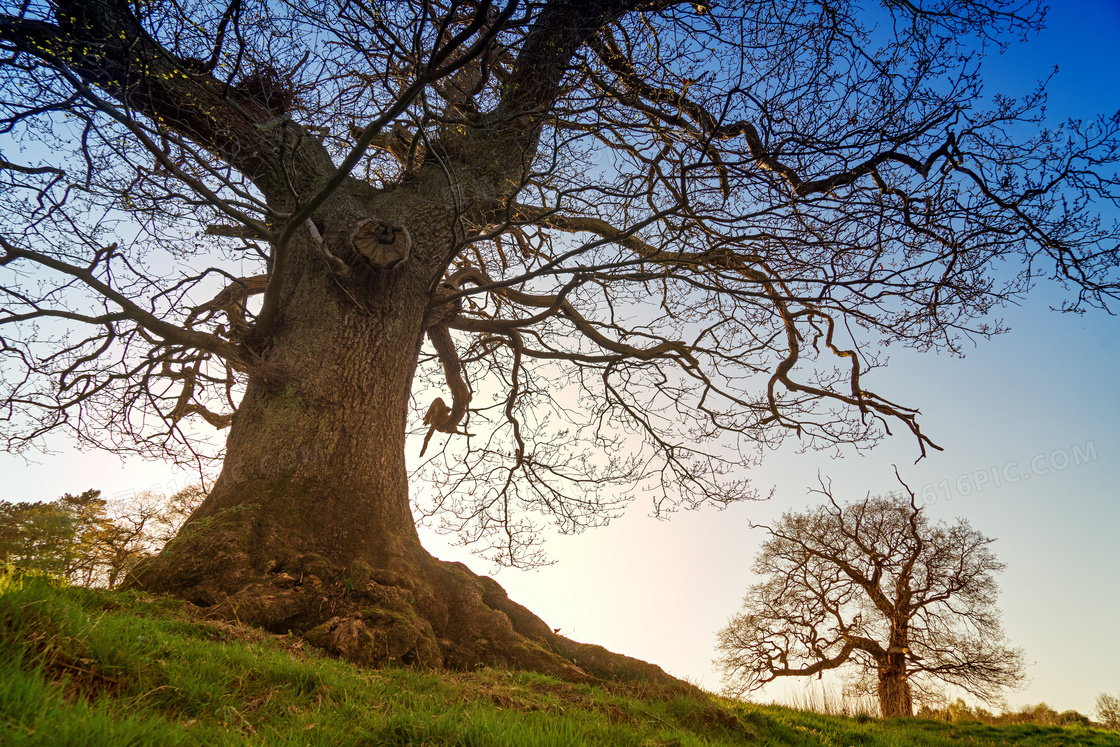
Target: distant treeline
[(856, 701), (1038, 714), (88, 540)]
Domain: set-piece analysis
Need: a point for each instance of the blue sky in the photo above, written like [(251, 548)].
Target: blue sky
[(1040, 404)]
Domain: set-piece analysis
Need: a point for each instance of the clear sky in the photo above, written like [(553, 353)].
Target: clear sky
[(1032, 457)]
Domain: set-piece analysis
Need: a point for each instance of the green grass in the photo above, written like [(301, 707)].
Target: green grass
[(89, 667)]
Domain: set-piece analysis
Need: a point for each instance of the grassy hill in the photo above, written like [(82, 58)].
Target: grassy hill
[(90, 667)]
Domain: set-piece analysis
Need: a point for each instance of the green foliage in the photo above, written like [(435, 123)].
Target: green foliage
[(58, 537), (97, 667), (88, 540)]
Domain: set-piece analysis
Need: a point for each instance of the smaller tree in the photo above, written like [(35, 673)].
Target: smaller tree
[(174, 512), (1108, 709), (875, 586), (140, 526), (129, 537)]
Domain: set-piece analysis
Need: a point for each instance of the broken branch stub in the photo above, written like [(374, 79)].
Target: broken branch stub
[(382, 243)]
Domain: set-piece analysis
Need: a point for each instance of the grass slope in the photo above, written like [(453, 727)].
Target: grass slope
[(89, 667)]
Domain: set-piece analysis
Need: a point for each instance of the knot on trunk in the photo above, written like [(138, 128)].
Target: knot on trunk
[(382, 243)]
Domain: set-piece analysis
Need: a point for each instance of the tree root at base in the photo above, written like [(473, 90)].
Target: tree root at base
[(430, 615)]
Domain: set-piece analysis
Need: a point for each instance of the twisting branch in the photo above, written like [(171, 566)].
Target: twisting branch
[(557, 304), (439, 416)]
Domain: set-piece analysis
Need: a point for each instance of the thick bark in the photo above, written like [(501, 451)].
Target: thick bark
[(894, 685), (894, 688)]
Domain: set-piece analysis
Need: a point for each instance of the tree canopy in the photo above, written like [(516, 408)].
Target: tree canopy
[(875, 587), (714, 226), (628, 244)]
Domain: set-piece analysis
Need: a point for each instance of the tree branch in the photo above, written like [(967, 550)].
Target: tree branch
[(165, 330)]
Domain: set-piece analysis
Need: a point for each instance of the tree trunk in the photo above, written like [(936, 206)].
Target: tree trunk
[(308, 527), (894, 688)]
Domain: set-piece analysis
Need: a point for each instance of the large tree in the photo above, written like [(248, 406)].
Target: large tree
[(628, 243), (877, 588)]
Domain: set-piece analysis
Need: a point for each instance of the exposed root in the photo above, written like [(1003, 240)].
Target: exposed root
[(424, 612)]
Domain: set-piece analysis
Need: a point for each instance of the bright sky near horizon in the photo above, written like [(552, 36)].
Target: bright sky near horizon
[(1032, 457)]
